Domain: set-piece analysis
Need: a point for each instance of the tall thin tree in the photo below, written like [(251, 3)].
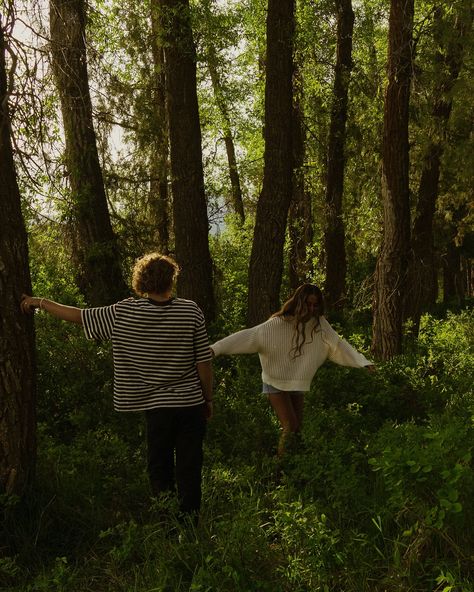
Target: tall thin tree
[(266, 260), (17, 355), (217, 87), (334, 235), (97, 254), (390, 274), (191, 225)]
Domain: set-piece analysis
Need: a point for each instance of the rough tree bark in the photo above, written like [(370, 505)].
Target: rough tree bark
[(159, 205), (189, 201), (390, 274), (17, 346), (334, 235), (266, 260), (97, 254)]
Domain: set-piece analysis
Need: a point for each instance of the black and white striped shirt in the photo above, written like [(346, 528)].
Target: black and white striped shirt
[(156, 347)]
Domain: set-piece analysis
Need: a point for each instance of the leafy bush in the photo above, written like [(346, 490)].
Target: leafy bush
[(427, 478), (376, 495)]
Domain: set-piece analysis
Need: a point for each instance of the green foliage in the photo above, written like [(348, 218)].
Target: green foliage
[(240, 403), (377, 494), (446, 360), (424, 477), (230, 252), (72, 372)]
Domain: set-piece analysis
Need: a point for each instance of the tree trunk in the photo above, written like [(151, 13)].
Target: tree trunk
[(390, 274), (100, 275), (453, 285), (300, 222), (191, 224), (17, 346), (334, 236), (468, 274), (158, 198), (237, 202), (266, 261), (421, 293)]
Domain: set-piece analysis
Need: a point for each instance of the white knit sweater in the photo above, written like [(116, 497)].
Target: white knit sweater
[(274, 340)]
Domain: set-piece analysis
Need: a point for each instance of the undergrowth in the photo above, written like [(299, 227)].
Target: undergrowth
[(377, 496)]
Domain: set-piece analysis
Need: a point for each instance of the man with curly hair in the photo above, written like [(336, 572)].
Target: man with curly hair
[(162, 366)]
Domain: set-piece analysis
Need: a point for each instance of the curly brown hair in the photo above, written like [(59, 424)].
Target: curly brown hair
[(297, 308), (154, 273)]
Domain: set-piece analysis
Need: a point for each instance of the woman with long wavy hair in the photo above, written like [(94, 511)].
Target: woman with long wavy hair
[(292, 344)]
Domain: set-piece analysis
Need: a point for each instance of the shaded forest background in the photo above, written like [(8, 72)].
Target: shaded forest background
[(263, 144)]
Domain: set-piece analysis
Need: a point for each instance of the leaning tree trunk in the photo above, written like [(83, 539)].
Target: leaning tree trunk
[(334, 235), (100, 275), (191, 224), (266, 260), (421, 292), (390, 274), (17, 359), (159, 206)]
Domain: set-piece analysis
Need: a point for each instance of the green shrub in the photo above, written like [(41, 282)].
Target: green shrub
[(377, 495)]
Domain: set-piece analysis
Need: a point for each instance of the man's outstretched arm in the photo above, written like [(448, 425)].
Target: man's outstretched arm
[(72, 314)]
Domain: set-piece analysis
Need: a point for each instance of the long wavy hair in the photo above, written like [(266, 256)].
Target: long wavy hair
[(296, 307)]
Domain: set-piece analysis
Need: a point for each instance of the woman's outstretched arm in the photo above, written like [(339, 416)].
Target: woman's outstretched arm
[(242, 342), (341, 352)]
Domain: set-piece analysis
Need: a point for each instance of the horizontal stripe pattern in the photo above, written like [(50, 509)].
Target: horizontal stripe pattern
[(156, 348)]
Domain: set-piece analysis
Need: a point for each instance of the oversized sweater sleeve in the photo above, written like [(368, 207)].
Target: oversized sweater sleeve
[(242, 342), (340, 351)]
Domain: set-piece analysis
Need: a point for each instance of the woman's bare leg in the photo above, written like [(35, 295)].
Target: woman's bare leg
[(297, 400), (289, 415)]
